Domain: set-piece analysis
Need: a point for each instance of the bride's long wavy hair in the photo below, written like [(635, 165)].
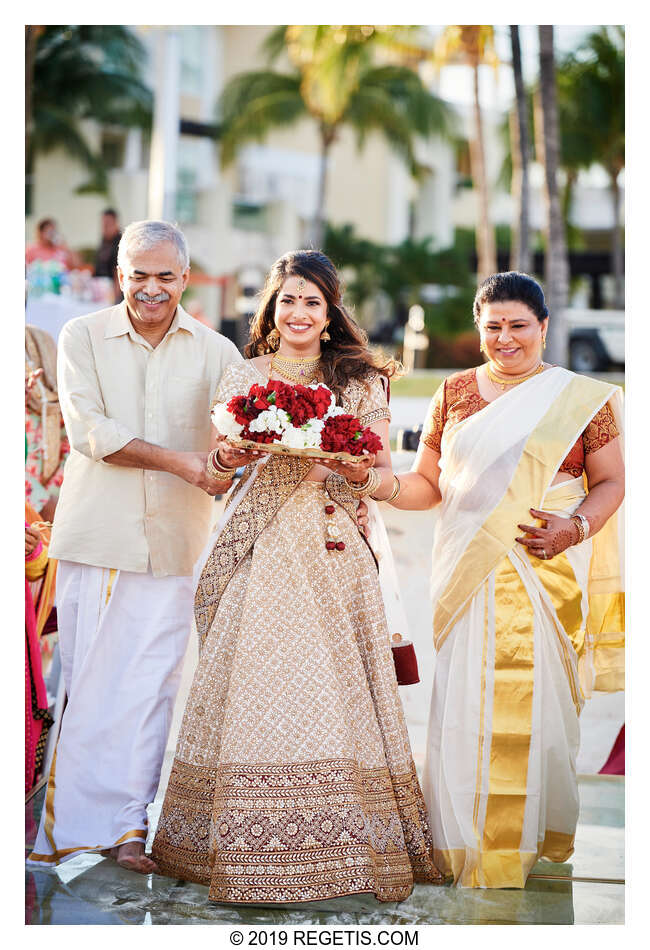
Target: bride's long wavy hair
[(347, 354)]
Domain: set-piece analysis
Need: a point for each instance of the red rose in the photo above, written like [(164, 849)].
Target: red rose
[(344, 433)]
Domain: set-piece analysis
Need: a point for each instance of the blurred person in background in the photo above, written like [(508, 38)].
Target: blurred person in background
[(136, 382), (195, 308), (50, 246), (40, 575), (47, 445), (525, 461), (106, 256)]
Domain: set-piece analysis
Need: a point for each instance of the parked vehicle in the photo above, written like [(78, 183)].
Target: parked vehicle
[(596, 339)]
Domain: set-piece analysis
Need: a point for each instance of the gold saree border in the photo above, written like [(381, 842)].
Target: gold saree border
[(504, 867), (512, 719)]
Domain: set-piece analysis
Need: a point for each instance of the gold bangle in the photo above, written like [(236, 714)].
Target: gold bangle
[(216, 471), (581, 530), (371, 484), (396, 489)]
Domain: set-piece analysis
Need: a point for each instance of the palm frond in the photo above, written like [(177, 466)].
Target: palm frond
[(274, 44), (425, 113), (54, 128), (254, 103)]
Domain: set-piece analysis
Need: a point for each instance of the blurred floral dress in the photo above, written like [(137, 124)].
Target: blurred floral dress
[(47, 445)]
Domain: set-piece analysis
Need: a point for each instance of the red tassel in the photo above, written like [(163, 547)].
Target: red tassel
[(406, 664)]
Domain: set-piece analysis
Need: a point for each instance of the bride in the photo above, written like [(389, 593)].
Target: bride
[(293, 778)]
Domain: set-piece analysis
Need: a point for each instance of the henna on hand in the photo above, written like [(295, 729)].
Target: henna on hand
[(556, 536)]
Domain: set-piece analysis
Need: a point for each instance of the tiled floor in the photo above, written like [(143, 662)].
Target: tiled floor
[(589, 890)]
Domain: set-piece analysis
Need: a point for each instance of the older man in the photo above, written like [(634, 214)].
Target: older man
[(135, 383)]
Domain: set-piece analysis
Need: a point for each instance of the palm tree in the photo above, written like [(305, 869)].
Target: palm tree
[(548, 151), (335, 82), (520, 149), (81, 72), (474, 45), (591, 99)]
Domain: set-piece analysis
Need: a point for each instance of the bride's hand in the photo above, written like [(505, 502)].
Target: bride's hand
[(353, 471), (229, 456)]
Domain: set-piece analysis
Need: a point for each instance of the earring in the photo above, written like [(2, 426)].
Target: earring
[(273, 339), (543, 342), (325, 335)]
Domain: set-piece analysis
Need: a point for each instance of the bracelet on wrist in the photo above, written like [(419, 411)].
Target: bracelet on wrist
[(579, 521), (585, 524), (215, 470), (371, 484), (396, 489)]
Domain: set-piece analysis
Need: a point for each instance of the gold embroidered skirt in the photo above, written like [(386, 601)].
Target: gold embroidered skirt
[(293, 778)]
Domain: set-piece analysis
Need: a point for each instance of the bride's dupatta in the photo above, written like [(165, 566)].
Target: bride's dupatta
[(511, 631)]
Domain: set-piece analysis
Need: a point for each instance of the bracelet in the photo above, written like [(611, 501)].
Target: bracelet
[(581, 530), (583, 527), (371, 484), (586, 527), (216, 471), (396, 489)]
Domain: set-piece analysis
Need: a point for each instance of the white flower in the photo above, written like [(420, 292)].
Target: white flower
[(224, 421), (312, 433), (295, 438), (270, 420), (335, 411)]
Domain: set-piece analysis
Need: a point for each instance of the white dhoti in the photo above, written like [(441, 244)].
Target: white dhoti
[(122, 639)]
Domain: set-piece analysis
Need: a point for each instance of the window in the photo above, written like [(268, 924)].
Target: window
[(248, 215), (192, 56), (113, 146), (186, 196)]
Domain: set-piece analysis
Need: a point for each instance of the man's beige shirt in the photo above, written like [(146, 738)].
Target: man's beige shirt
[(115, 387)]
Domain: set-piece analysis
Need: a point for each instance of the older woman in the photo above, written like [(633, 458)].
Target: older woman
[(527, 588), (293, 778)]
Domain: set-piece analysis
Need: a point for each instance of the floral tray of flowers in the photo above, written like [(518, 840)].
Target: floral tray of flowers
[(294, 420)]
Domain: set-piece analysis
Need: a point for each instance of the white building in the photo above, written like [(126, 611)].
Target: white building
[(247, 215)]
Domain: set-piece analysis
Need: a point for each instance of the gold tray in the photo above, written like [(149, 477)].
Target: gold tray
[(274, 448)]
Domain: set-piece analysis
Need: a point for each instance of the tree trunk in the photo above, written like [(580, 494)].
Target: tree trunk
[(520, 147), (617, 243), (317, 234), (556, 258), (485, 243), (31, 37)]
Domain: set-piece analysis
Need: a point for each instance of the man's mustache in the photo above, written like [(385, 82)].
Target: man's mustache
[(159, 298)]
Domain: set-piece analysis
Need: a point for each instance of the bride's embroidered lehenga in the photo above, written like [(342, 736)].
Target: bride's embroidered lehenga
[(293, 778)]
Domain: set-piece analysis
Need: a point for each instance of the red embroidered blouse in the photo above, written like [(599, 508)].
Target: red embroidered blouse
[(459, 397)]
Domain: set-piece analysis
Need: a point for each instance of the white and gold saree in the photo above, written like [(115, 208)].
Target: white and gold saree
[(520, 642)]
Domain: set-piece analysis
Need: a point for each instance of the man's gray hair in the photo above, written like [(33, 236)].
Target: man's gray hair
[(144, 235)]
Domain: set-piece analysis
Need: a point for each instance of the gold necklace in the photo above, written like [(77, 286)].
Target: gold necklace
[(499, 381), (303, 370)]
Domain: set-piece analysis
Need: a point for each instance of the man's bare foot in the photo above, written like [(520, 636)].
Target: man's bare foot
[(132, 857)]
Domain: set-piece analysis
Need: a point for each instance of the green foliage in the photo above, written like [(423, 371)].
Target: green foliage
[(591, 101), (401, 270), (86, 72), (254, 103), (335, 81)]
